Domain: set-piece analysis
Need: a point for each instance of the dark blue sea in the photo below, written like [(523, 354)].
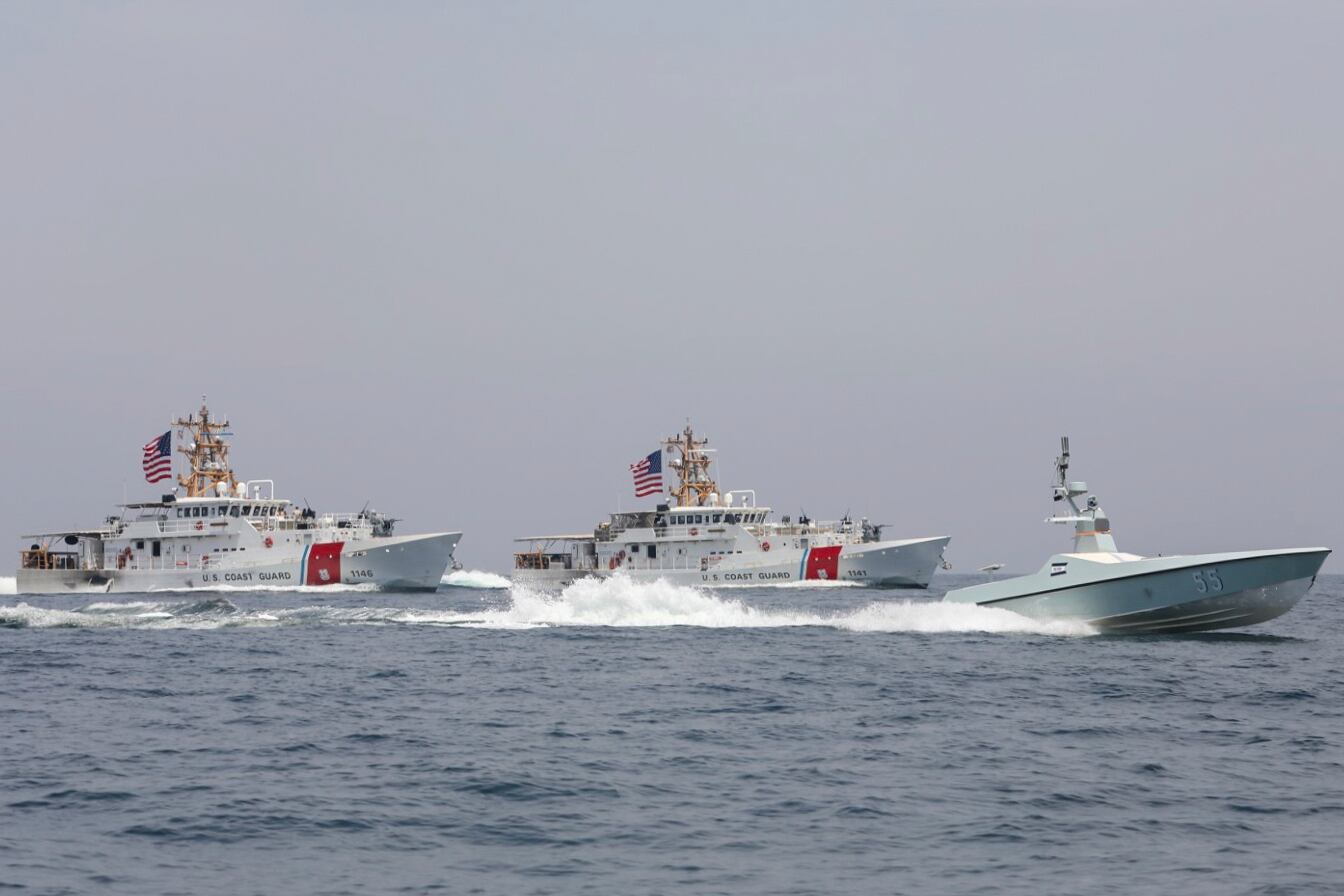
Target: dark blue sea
[(641, 739)]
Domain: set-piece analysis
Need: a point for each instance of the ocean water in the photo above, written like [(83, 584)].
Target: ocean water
[(623, 738)]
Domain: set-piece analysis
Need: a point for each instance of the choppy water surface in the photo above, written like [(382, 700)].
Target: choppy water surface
[(626, 738)]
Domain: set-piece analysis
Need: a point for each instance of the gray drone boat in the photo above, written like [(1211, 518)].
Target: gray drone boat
[(1128, 594)]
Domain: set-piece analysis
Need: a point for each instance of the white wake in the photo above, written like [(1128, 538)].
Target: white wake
[(608, 602), (620, 602), (475, 578), (459, 578)]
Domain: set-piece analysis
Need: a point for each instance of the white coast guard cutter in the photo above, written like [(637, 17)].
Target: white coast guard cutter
[(227, 532), (707, 538)]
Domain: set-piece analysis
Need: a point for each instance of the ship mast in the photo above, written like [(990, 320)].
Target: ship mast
[(207, 453), (692, 466)]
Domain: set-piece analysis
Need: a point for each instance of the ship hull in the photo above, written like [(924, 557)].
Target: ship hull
[(908, 563), (402, 562), (1158, 595)]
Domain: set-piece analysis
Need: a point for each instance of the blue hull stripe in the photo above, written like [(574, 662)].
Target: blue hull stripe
[(303, 565), (802, 565)]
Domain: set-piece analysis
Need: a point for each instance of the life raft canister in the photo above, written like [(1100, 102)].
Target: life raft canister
[(765, 545), (614, 563), (269, 542)]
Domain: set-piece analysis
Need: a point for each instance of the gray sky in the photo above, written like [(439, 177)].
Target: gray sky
[(472, 260)]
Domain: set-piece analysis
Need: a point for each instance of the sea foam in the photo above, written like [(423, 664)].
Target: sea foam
[(475, 578), (620, 602), (615, 602)]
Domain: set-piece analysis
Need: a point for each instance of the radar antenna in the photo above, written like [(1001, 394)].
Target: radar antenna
[(207, 453), (1092, 528), (695, 485), (1062, 468)]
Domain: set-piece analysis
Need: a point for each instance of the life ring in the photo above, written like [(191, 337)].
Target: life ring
[(199, 525), (695, 531), (614, 563), (765, 545), (269, 542)]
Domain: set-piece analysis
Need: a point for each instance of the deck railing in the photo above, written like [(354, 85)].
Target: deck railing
[(41, 559)]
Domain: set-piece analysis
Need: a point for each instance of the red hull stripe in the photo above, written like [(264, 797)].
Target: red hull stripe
[(324, 563), (824, 563)]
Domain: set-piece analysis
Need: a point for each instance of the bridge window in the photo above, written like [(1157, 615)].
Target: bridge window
[(653, 551), (718, 518), (234, 510)]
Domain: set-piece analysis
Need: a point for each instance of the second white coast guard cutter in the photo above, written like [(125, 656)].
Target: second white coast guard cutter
[(224, 532), (705, 537)]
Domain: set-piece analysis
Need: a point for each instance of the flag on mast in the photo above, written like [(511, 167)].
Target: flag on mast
[(158, 458), (648, 475)]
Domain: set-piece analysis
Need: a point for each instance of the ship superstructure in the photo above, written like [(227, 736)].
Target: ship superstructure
[(703, 536), (223, 531)]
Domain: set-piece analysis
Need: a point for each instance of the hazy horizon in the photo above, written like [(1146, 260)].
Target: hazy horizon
[(470, 262)]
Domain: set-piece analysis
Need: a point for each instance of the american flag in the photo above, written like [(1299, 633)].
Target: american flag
[(158, 459), (648, 475)]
